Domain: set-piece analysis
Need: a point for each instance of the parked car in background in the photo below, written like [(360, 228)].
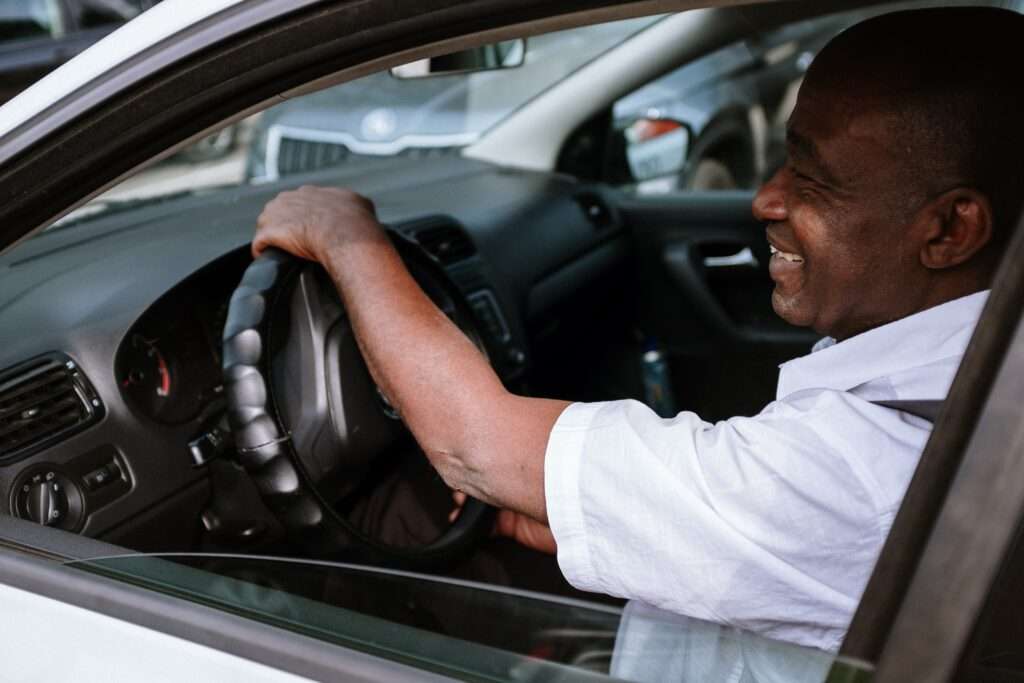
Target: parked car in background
[(383, 115), (37, 36)]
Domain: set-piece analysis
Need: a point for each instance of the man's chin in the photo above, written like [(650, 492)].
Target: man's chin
[(789, 308)]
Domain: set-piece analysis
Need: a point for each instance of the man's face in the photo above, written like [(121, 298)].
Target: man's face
[(836, 214)]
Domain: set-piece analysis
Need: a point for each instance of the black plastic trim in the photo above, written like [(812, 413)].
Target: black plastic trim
[(84, 390)]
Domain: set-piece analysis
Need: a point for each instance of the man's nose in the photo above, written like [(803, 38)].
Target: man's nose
[(770, 201)]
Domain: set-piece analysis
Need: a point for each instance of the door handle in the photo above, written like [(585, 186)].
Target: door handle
[(744, 258), (681, 261)]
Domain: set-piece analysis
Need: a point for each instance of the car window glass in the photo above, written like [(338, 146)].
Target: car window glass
[(24, 19), (464, 629)]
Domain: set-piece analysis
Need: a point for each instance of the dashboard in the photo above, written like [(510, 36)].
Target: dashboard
[(133, 304)]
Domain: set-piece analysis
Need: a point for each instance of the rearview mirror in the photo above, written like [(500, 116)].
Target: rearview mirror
[(504, 55), (655, 148)]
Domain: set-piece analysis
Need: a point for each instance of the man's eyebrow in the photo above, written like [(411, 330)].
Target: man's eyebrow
[(806, 148)]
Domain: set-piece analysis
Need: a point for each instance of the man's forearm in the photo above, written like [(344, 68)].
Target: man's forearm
[(481, 438)]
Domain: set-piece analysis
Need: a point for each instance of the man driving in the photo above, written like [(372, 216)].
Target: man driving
[(886, 224)]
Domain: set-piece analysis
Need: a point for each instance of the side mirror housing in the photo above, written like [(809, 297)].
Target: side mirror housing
[(655, 148)]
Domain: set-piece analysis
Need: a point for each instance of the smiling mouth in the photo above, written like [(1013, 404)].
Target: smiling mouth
[(784, 255)]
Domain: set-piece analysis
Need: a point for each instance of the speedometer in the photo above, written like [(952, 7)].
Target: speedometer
[(146, 376)]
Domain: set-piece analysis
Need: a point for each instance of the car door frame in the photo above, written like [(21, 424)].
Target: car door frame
[(961, 513)]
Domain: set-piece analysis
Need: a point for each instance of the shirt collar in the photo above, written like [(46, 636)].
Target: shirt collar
[(919, 339)]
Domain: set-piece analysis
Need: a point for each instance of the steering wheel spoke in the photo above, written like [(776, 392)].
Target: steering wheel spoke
[(321, 385)]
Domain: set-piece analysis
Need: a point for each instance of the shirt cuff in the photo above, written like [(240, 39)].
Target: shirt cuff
[(563, 461)]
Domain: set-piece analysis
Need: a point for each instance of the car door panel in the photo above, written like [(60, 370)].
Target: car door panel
[(705, 299)]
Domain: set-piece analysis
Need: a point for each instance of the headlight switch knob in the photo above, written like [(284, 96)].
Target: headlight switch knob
[(49, 496), (45, 502)]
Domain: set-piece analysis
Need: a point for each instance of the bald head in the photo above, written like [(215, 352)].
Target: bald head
[(948, 82), (904, 171)]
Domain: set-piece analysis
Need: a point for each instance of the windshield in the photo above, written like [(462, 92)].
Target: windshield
[(379, 115), (382, 115), (469, 630)]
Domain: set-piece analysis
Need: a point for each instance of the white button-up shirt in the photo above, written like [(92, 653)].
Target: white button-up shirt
[(770, 523)]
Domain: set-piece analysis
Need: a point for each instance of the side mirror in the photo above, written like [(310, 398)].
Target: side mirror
[(504, 55), (655, 148)]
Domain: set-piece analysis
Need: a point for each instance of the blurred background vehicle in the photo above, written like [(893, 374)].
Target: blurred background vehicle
[(37, 36)]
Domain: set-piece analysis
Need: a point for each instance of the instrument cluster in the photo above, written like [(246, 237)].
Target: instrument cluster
[(168, 366)]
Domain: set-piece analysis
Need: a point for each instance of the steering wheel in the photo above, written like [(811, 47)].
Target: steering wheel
[(310, 425)]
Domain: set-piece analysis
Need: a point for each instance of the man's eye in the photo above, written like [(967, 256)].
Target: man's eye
[(801, 176)]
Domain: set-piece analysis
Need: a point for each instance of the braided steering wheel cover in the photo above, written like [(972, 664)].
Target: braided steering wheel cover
[(264, 449)]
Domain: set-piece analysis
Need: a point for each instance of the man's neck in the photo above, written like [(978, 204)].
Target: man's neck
[(941, 292)]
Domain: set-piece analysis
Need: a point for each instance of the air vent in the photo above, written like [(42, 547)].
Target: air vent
[(41, 402), (447, 243)]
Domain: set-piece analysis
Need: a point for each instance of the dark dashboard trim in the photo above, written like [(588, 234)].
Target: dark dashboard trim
[(83, 389)]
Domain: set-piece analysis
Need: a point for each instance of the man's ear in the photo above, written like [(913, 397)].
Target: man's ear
[(959, 226)]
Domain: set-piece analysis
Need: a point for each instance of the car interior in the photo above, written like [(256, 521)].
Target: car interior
[(162, 393), (114, 386)]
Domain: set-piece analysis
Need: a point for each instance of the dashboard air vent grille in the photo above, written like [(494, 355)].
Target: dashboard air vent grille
[(42, 401), (447, 243)]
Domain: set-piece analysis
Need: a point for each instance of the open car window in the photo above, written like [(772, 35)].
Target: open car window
[(468, 630)]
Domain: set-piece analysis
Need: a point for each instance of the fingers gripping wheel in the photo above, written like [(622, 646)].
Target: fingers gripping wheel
[(294, 472)]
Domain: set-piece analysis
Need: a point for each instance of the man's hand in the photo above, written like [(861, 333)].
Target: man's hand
[(515, 525), (480, 438), (311, 221)]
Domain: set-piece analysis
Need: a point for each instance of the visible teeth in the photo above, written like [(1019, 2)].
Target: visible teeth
[(785, 255)]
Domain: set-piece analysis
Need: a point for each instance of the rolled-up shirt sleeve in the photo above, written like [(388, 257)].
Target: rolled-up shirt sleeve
[(765, 523)]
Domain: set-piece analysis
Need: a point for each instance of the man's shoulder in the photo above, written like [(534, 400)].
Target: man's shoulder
[(838, 411)]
